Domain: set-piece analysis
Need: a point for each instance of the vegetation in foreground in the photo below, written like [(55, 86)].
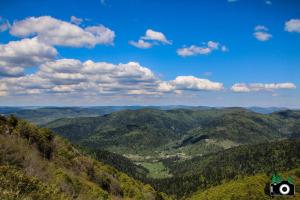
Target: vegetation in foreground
[(35, 164), (246, 188)]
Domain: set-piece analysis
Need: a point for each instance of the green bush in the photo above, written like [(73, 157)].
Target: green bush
[(42, 137), (14, 184)]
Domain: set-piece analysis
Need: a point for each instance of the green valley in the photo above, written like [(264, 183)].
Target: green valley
[(151, 134), (177, 153)]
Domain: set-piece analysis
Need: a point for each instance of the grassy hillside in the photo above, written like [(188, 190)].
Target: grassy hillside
[(35, 164), (245, 188)]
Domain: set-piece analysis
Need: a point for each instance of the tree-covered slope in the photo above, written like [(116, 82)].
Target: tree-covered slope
[(121, 163), (190, 145), (207, 171), (35, 164), (187, 131)]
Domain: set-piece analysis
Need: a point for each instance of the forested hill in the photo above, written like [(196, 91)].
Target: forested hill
[(35, 164), (187, 131), (208, 171), (49, 167)]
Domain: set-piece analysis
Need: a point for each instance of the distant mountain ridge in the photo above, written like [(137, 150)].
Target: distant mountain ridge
[(42, 115), (266, 110)]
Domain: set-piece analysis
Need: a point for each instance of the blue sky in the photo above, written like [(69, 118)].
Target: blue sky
[(234, 53)]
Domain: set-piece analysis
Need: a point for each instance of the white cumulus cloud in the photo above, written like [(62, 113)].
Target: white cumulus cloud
[(206, 49), (262, 36), (260, 28), (189, 83), (261, 33), (53, 31), (150, 39), (16, 55), (293, 25), (71, 76), (255, 87), (141, 44), (157, 36)]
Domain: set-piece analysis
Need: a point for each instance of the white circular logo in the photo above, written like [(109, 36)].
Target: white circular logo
[(284, 189)]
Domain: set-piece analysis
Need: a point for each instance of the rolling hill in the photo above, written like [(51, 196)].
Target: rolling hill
[(43, 115), (179, 132), (183, 153), (185, 149)]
